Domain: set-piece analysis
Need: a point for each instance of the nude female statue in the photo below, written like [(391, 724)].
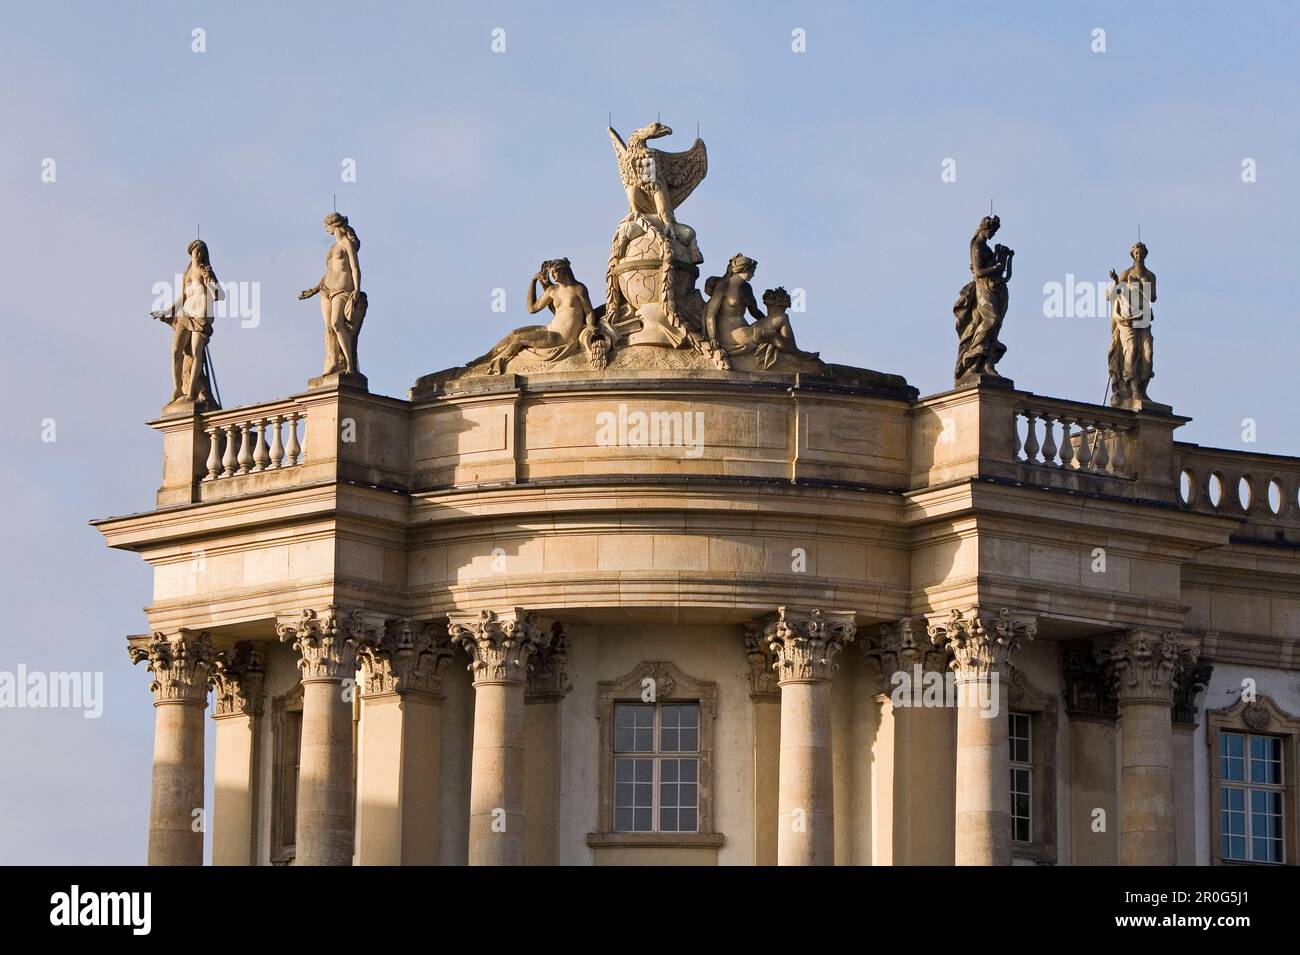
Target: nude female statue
[(342, 303), (730, 297), (190, 317), (982, 304), (567, 299), (1131, 294)]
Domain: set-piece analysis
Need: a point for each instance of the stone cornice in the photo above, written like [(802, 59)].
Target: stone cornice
[(406, 659), (805, 643), (327, 642), (181, 666), (982, 645), (238, 676), (500, 645)]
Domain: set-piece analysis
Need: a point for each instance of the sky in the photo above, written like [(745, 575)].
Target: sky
[(475, 164)]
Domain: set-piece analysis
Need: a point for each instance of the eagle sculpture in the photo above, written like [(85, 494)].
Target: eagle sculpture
[(657, 182)]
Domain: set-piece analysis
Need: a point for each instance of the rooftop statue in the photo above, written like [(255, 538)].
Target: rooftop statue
[(190, 317), (982, 305), (651, 297), (575, 326), (342, 303), (1131, 295)]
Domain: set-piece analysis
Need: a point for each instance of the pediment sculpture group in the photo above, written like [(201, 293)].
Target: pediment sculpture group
[(651, 299)]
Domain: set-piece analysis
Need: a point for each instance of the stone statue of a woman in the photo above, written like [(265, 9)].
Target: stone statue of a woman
[(190, 317), (982, 305), (342, 303), (730, 298)]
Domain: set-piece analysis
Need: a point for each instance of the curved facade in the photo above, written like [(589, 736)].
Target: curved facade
[(649, 614)]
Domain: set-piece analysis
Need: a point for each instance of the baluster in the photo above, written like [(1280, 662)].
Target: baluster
[(291, 452), (245, 454), (277, 446), (1015, 435), (228, 458), (1085, 447), (1100, 456), (214, 458), (1031, 438), (1067, 447), (1049, 440), (1119, 460), (260, 457)]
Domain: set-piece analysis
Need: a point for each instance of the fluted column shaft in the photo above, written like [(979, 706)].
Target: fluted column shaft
[(804, 646), (500, 647), (328, 645), (182, 669), (982, 648)]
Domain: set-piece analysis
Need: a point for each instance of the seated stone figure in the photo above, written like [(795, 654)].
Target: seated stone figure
[(771, 335), (573, 327), (730, 297)]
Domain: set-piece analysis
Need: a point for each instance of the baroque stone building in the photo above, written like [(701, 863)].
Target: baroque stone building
[(658, 595)]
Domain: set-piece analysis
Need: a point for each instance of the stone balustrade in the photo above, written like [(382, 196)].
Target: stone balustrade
[(1263, 490), (254, 439), (1073, 437)]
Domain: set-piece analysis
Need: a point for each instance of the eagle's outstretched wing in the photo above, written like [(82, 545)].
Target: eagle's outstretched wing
[(683, 171), (625, 171)]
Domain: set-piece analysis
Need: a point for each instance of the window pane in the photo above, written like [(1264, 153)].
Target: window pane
[(624, 715), (690, 714), (623, 820), (667, 820), (645, 770), (1266, 760), (668, 716), (643, 820), (623, 770), (643, 740), (633, 727), (668, 770), (688, 769), (688, 795), (668, 739), (1232, 766)]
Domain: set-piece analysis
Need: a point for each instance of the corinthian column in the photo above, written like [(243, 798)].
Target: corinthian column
[(500, 647), (182, 672), (1144, 667), (913, 795), (982, 648), (327, 644), (237, 691), (401, 746), (805, 645)]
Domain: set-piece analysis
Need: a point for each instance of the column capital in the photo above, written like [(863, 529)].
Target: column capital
[(1193, 676), (805, 642), (548, 677), (1144, 666), (181, 665), (237, 678), (1089, 691), (406, 657), (500, 645), (327, 641), (762, 663), (982, 644), (900, 647)]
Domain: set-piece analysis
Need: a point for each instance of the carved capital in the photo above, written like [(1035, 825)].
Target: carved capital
[(181, 666), (762, 663), (805, 643), (548, 678), (982, 645), (1089, 693), (406, 659), (500, 646), (327, 642), (899, 648), (1144, 666), (1190, 681), (238, 674)]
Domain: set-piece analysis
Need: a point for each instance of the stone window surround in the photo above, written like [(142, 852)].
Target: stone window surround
[(1023, 697), (671, 686), (1261, 718)]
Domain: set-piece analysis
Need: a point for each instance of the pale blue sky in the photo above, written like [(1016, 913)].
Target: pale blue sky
[(473, 167)]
